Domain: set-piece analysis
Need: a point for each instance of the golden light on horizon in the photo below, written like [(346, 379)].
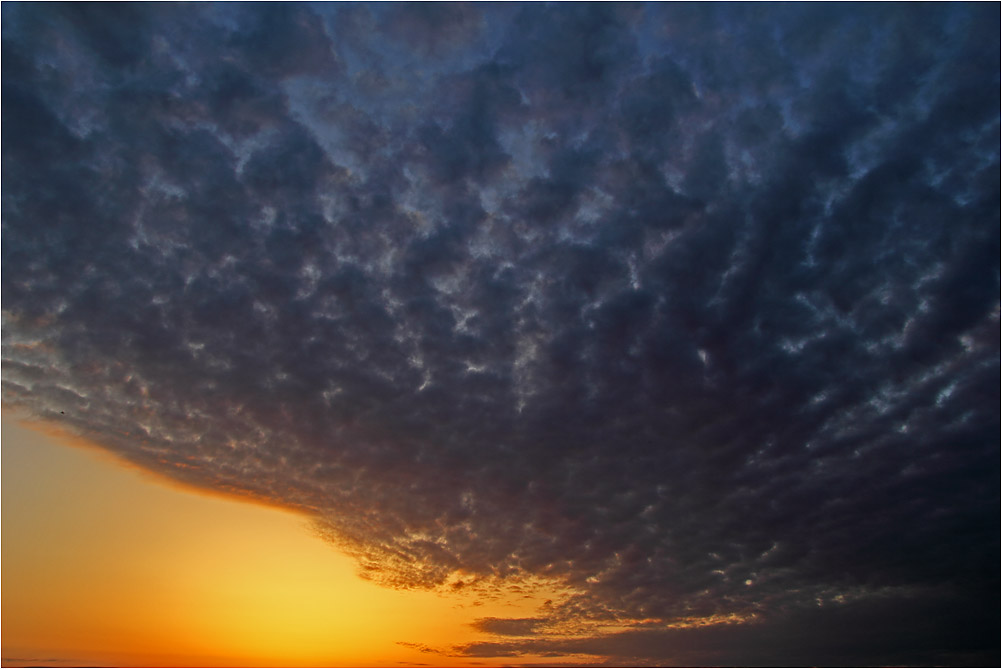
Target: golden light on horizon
[(104, 565)]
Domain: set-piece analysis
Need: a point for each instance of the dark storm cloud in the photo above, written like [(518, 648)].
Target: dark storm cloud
[(690, 309)]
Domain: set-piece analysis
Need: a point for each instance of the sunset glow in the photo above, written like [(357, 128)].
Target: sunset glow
[(105, 564), (448, 334)]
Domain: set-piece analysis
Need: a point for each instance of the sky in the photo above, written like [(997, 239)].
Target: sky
[(660, 334), (108, 565)]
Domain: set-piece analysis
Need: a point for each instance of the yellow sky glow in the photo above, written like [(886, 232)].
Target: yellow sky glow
[(104, 565)]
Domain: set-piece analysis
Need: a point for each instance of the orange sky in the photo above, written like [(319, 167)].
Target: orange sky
[(104, 564)]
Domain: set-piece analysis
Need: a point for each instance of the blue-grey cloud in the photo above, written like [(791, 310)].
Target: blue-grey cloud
[(693, 310)]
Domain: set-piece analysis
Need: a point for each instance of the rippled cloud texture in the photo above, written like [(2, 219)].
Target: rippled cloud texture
[(690, 309)]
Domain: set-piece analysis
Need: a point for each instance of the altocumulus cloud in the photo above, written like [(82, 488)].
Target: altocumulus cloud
[(692, 310)]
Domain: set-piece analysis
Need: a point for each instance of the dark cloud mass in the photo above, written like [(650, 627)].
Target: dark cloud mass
[(690, 309)]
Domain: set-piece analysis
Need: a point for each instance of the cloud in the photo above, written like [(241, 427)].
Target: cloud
[(888, 629), (508, 626), (691, 310)]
